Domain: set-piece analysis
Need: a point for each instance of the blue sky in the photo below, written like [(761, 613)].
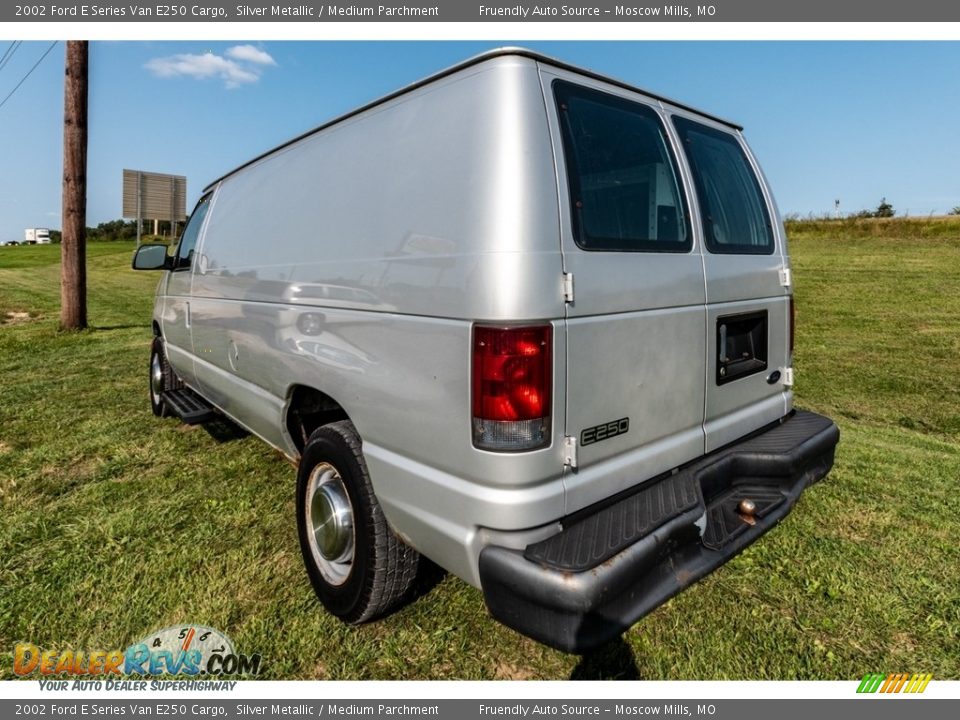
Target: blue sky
[(850, 120)]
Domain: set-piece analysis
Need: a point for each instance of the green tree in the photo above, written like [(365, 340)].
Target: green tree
[(884, 209), (113, 230)]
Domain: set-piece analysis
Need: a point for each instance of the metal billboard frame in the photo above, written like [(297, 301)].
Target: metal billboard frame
[(156, 196)]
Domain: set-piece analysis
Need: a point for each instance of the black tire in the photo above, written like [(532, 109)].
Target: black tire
[(381, 568), (168, 378)]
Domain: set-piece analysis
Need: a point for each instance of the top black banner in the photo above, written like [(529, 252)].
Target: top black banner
[(487, 11)]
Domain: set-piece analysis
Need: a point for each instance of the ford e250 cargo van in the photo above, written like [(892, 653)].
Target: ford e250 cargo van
[(527, 321)]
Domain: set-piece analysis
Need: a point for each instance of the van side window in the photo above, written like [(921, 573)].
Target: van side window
[(735, 216), (188, 238), (622, 177)]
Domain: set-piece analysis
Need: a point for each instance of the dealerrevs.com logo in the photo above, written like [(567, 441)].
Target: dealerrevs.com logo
[(184, 650)]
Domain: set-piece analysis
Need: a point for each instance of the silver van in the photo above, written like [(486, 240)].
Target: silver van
[(528, 321)]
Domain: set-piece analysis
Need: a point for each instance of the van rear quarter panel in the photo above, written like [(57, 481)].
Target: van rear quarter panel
[(356, 260)]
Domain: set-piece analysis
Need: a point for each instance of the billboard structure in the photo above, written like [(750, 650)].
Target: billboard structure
[(154, 196)]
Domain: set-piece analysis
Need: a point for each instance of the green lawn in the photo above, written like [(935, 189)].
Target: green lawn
[(115, 523)]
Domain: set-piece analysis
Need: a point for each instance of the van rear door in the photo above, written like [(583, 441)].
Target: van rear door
[(636, 336), (748, 302)]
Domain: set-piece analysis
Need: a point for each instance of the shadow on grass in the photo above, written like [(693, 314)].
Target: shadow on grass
[(429, 575), (614, 661), (224, 430), (131, 326)]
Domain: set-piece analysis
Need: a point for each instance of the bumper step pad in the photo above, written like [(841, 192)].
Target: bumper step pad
[(188, 406), (611, 565), (725, 522), (590, 541)]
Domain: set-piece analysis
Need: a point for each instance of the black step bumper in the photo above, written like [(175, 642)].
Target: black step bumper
[(613, 564)]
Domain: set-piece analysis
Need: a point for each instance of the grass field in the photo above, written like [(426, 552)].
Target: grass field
[(115, 523)]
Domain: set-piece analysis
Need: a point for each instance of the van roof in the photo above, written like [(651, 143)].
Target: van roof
[(476, 59)]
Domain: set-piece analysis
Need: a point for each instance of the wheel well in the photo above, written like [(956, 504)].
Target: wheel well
[(156, 329), (309, 409)]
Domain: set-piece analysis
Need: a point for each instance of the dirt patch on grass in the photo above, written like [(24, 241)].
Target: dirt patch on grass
[(7, 487), (17, 317), (904, 641), (56, 479), (509, 671)]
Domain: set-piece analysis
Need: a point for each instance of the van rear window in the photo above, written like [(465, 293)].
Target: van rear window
[(622, 178), (735, 216)]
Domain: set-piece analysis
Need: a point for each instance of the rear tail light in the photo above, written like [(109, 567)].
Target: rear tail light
[(792, 324), (512, 387)]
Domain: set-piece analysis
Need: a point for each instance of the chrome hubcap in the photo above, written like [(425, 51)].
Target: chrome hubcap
[(330, 524), (156, 378)]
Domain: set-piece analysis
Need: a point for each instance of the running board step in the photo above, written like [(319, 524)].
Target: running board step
[(188, 406)]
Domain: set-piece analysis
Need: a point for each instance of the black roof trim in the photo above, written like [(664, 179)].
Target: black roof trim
[(475, 60)]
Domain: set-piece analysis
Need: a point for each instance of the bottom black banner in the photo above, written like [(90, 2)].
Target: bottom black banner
[(876, 708)]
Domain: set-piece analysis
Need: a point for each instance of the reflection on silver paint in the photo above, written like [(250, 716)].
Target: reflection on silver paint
[(440, 203)]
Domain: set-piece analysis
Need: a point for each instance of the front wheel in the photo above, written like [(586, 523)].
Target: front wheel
[(162, 378), (357, 565)]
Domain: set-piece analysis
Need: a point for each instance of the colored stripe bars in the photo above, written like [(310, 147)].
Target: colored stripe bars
[(894, 683)]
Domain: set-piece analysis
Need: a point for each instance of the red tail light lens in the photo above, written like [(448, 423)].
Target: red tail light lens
[(512, 387)]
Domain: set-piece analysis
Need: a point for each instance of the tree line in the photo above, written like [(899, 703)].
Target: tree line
[(115, 230)]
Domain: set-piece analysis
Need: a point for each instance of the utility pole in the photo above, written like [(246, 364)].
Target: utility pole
[(73, 247)]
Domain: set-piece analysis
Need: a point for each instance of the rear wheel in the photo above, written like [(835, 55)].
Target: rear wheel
[(357, 565)]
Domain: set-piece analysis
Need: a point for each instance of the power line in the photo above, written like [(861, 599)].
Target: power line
[(24, 79), (9, 52)]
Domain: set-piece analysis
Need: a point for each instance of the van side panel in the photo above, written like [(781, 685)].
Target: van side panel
[(356, 260)]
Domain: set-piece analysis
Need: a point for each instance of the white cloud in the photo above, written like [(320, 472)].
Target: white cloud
[(250, 54), (243, 66)]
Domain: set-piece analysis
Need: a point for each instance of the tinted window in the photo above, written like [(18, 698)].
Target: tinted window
[(623, 182), (188, 239), (735, 217)]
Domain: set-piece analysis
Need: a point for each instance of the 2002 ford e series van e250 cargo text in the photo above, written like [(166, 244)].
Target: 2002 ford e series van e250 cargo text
[(528, 321)]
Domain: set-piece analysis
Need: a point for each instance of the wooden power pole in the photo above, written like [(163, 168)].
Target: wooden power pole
[(73, 248)]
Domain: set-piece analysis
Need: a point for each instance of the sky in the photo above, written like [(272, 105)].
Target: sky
[(856, 121)]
